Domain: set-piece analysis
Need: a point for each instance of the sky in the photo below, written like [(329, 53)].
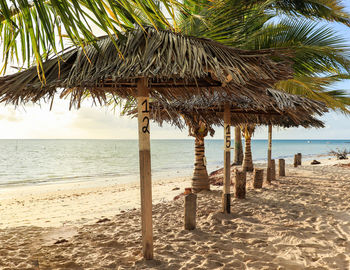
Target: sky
[(91, 122)]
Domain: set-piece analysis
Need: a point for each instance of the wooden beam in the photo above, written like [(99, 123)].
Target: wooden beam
[(145, 168), (267, 112), (217, 110), (206, 82), (240, 111), (226, 197)]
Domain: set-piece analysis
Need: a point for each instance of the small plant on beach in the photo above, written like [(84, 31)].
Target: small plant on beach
[(340, 154)]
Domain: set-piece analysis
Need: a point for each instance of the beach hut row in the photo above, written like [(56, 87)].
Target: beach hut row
[(164, 66), (202, 112)]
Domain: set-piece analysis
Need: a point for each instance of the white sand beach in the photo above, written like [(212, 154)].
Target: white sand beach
[(75, 203), (301, 221)]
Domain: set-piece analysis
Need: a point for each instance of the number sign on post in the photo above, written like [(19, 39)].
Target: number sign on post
[(145, 168), (226, 196)]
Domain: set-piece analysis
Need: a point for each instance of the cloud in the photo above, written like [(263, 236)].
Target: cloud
[(10, 115), (101, 119)]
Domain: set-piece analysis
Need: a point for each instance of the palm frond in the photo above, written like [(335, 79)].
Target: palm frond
[(318, 49), (329, 10), (37, 28), (317, 88)]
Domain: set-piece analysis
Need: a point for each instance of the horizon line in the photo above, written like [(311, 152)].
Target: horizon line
[(207, 139)]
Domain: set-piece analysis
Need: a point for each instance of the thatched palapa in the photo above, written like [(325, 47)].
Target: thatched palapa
[(174, 65), (270, 107)]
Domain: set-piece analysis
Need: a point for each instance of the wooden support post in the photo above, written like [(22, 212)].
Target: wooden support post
[(240, 184), (281, 167), (273, 170), (269, 155), (295, 160), (299, 158), (226, 196), (268, 175), (190, 211), (145, 168), (258, 178)]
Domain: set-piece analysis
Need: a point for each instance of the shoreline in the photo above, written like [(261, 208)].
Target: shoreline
[(48, 205), (132, 178)]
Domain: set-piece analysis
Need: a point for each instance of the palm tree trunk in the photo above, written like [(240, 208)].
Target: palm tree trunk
[(248, 160), (238, 158), (200, 179)]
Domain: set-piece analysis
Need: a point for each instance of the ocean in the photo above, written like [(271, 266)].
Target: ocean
[(36, 162)]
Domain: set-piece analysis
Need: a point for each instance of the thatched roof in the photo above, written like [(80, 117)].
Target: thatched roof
[(175, 65), (271, 107)]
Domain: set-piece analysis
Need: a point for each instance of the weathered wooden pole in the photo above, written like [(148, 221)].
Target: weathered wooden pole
[(268, 175), (240, 184), (299, 158), (269, 155), (281, 167), (190, 211), (295, 160), (226, 196), (258, 178), (273, 170), (145, 167)]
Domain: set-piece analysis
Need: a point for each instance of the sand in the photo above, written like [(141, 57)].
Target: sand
[(301, 221), (76, 203)]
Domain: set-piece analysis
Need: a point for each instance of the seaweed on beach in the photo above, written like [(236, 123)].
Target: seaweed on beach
[(340, 154), (216, 177), (344, 165)]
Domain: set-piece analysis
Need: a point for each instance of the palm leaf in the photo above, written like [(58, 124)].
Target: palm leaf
[(38, 28)]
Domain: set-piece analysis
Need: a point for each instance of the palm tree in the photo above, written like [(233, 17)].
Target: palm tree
[(236, 22), (238, 154), (200, 179), (321, 57), (248, 131), (31, 30)]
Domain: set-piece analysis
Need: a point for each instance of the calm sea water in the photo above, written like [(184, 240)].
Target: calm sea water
[(32, 162)]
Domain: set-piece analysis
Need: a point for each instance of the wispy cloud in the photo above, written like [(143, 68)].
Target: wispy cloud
[(9, 115)]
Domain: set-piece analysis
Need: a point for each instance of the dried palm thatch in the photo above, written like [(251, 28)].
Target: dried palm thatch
[(271, 107), (174, 64)]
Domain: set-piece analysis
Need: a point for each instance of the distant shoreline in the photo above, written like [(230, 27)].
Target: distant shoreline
[(184, 139), (134, 178), (40, 162)]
